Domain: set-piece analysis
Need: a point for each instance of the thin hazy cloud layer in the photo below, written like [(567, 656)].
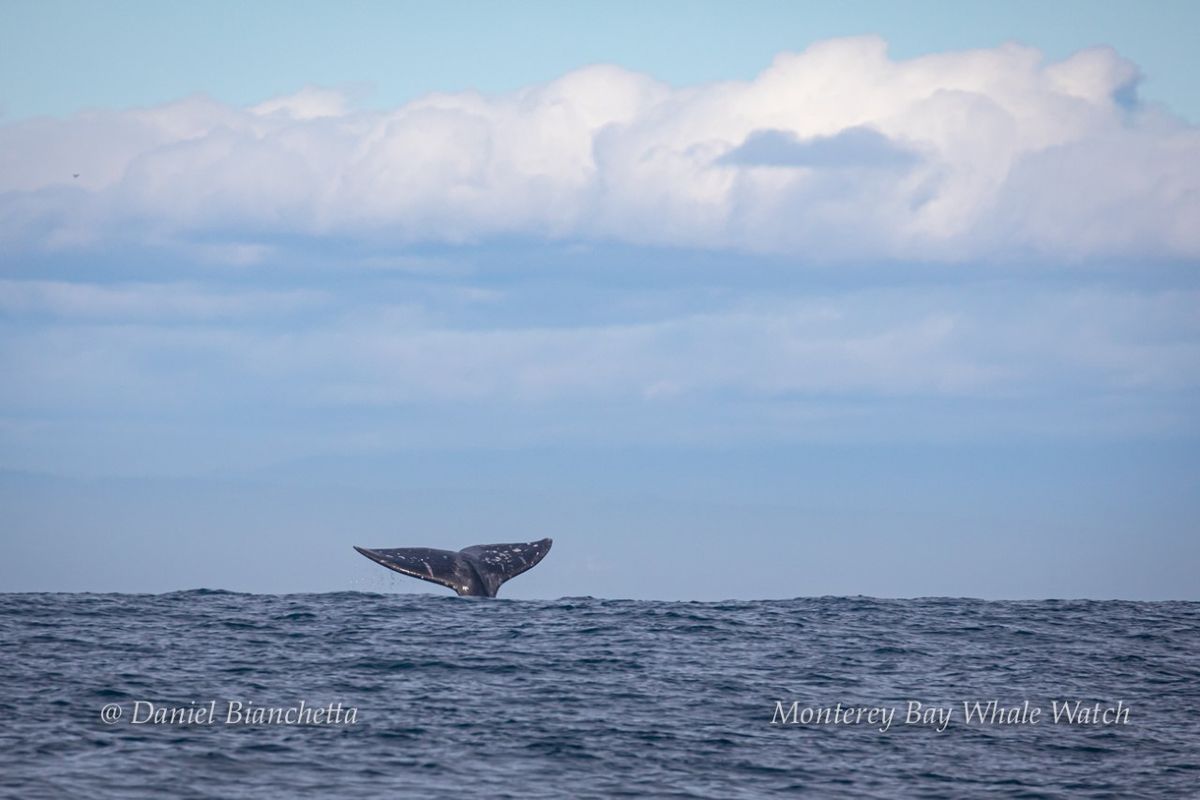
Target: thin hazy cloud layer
[(838, 152), (184, 348)]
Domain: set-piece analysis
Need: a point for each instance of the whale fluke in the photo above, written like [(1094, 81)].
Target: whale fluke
[(472, 572)]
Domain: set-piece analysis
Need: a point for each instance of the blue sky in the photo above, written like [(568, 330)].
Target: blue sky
[(58, 57), (729, 304)]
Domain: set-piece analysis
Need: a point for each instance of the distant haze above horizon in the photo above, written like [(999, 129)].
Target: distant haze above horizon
[(731, 305)]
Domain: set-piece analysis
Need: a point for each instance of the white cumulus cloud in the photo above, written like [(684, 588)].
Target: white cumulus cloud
[(837, 152)]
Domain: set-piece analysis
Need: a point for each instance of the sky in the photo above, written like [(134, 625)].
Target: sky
[(754, 301)]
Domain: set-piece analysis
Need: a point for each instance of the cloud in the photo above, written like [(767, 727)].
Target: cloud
[(172, 302), (136, 340), (241, 366), (1004, 155), (852, 147), (309, 103)]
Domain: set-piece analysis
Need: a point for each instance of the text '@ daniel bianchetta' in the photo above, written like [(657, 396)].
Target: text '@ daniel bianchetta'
[(228, 712), (914, 713)]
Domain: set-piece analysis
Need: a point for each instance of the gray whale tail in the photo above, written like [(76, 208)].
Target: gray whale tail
[(472, 572)]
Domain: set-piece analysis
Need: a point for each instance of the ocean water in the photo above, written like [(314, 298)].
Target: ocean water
[(583, 697)]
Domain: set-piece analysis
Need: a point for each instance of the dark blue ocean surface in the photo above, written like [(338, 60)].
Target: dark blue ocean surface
[(442, 696)]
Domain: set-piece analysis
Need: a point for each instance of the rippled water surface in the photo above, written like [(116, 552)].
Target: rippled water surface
[(582, 697)]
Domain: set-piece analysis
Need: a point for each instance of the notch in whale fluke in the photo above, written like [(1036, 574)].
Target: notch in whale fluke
[(472, 572)]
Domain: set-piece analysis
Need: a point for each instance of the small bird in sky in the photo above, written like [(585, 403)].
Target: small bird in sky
[(74, 174)]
